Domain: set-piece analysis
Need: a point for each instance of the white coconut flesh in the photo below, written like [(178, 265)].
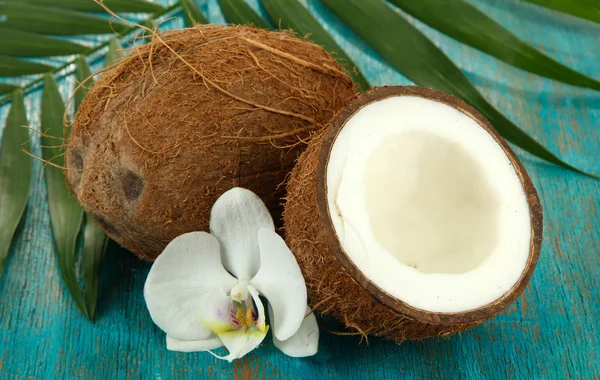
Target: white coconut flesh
[(427, 205)]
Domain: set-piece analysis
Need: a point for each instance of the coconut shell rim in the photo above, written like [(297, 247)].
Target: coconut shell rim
[(396, 305)]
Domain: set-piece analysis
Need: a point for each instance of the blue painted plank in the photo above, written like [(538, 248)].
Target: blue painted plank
[(551, 332)]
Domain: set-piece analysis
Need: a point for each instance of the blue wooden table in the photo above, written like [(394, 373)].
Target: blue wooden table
[(552, 332)]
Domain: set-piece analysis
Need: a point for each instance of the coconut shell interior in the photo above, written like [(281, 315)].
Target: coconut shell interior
[(188, 116), (335, 285)]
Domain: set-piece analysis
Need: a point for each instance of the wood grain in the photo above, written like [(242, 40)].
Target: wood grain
[(552, 332)]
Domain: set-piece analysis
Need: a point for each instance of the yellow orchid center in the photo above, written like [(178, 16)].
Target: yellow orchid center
[(245, 317)]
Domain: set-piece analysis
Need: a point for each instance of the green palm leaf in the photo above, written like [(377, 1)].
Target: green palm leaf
[(16, 43), (192, 14), (91, 6), (94, 247), (10, 66), (7, 88), (22, 21), (82, 73), (290, 14), (115, 52), (94, 240), (586, 9), (48, 20), (238, 12), (415, 56), (483, 33), (15, 173), (65, 213)]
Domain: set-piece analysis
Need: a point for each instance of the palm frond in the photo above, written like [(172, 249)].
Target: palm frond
[(415, 56), (290, 14), (481, 32), (585, 9), (16, 43), (238, 12), (192, 14), (56, 21), (141, 6)]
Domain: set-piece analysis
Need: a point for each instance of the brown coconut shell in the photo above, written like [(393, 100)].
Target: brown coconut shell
[(335, 285), (191, 114)]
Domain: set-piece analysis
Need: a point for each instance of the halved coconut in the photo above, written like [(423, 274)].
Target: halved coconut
[(411, 217)]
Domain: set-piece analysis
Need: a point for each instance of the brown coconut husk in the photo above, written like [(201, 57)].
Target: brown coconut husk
[(188, 116), (335, 285)]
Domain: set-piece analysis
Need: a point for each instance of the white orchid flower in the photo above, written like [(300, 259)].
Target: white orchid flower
[(203, 290)]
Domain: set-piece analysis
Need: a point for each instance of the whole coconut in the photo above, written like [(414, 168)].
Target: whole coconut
[(190, 115)]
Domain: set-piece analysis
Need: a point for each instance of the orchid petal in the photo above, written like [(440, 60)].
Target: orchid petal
[(305, 342), (280, 280), (188, 267), (217, 312), (211, 343), (239, 343), (235, 219), (261, 320)]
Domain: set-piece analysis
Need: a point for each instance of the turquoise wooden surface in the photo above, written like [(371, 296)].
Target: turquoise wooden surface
[(552, 332)]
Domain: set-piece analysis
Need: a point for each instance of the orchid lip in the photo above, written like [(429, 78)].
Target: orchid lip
[(244, 316)]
